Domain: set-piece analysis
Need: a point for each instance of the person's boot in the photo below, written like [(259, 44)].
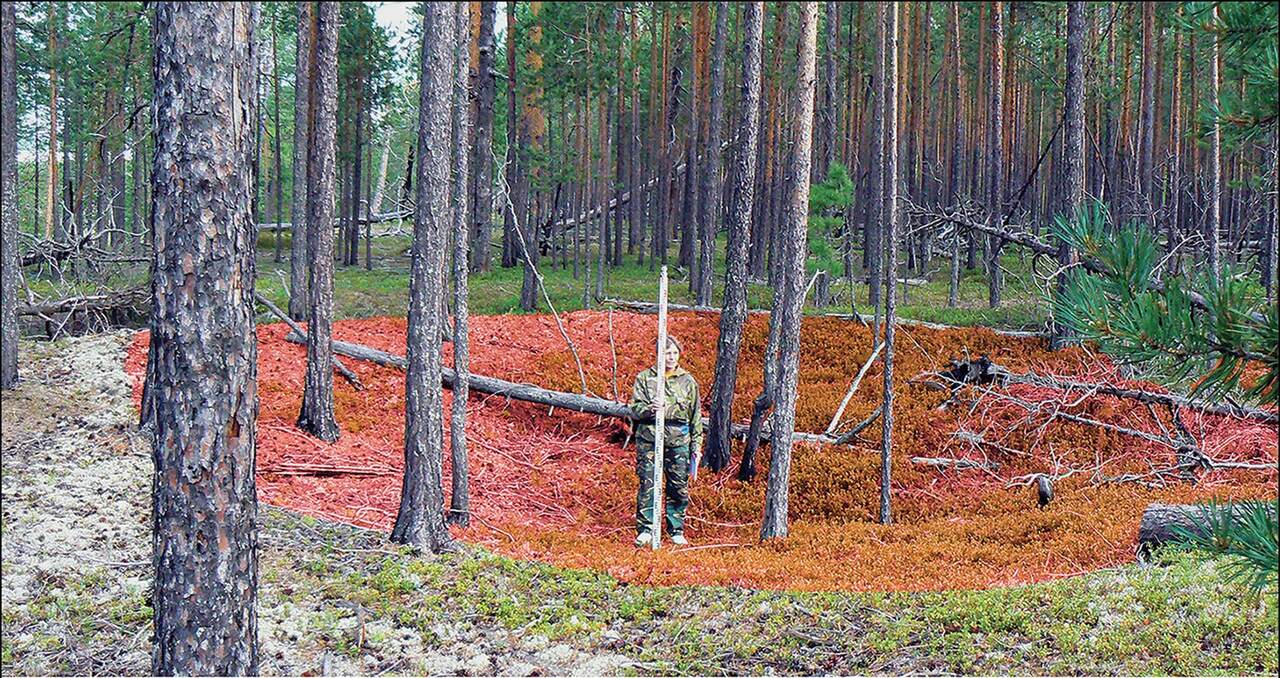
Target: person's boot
[(679, 540), (643, 539)]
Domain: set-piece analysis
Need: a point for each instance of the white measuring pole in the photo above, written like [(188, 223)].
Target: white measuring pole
[(660, 409)]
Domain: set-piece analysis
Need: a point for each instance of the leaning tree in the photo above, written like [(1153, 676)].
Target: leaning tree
[(204, 377)]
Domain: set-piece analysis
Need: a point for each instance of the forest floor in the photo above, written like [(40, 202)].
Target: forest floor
[(339, 599)]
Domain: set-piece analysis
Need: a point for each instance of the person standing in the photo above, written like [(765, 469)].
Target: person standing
[(682, 441)]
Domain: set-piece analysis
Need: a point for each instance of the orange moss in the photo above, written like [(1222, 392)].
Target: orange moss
[(561, 488)]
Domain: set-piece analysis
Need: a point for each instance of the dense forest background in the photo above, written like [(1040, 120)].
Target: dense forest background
[(609, 98)]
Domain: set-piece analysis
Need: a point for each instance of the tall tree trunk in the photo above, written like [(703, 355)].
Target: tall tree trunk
[(317, 416), (957, 148), (279, 170), (352, 255), (459, 497), (890, 210), (380, 188), (797, 211), (827, 112), (420, 521), (875, 227), (299, 260), (995, 153), (9, 261), (482, 151), (1213, 225), (205, 349), (1074, 146), (53, 120), (1146, 120), (729, 343), (533, 131), (709, 205), (512, 173)]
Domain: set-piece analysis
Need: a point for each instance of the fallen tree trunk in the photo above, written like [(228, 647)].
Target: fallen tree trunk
[(984, 371), (646, 307), (1161, 522), (525, 392), (946, 462), (374, 219), (90, 302), (337, 364)]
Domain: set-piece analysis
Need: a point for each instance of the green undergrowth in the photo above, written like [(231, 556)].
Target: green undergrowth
[(1174, 616), (384, 290)]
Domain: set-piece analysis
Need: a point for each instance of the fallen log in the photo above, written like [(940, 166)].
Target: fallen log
[(337, 364), (983, 371), (647, 307), (526, 392), (90, 302), (947, 462), (1161, 522)]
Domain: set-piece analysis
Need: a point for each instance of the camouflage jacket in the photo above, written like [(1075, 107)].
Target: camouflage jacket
[(683, 408)]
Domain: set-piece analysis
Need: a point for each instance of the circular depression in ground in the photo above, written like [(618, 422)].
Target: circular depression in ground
[(560, 487)]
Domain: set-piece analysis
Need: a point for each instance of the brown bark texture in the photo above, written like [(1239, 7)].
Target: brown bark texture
[(202, 332)]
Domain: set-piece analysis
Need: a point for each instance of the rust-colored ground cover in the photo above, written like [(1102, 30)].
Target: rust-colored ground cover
[(559, 487)]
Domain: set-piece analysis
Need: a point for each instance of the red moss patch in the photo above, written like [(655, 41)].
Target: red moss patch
[(560, 488)]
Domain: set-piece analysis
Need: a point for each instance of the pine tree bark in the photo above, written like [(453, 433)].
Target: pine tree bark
[(995, 156), (513, 171), (1213, 225), (1073, 161), (709, 205), (53, 120), (957, 148), (890, 211), (278, 183), (874, 246), (827, 112), (420, 521), (482, 152), (205, 349), (299, 260), (796, 224), (732, 320), (459, 497), (533, 129), (317, 417), (1146, 122), (9, 262)]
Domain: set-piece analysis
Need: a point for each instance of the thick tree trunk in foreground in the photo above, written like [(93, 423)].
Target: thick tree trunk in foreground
[(1073, 184), (459, 498), (202, 332), (890, 211), (482, 151), (795, 228), (299, 260), (733, 318), (420, 521), (8, 199), (317, 417)]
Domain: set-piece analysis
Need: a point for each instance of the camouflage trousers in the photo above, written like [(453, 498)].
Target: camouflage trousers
[(675, 464)]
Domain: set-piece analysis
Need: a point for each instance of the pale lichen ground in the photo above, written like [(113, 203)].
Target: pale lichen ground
[(338, 600)]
